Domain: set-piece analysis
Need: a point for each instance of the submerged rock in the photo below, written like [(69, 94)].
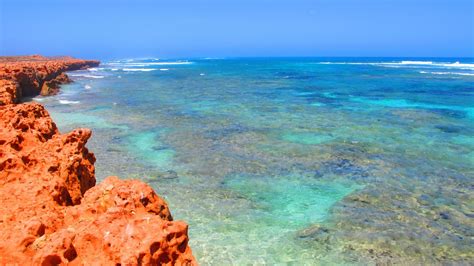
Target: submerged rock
[(449, 128), (342, 167), (170, 174), (315, 232)]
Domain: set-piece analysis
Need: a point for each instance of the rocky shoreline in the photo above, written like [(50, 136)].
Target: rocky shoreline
[(52, 211)]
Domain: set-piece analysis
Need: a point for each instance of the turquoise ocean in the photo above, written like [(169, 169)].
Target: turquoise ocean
[(303, 161)]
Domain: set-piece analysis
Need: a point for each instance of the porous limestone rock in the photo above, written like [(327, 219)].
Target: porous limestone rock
[(51, 212)]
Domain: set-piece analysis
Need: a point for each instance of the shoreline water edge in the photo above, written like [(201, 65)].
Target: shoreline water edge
[(52, 211)]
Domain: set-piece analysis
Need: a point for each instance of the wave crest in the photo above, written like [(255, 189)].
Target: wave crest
[(139, 69)]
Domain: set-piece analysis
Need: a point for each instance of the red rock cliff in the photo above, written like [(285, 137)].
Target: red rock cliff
[(52, 213), (33, 75)]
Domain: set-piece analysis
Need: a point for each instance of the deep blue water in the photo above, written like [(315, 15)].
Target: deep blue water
[(292, 160)]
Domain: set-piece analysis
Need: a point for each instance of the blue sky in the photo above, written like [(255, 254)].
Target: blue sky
[(226, 28)]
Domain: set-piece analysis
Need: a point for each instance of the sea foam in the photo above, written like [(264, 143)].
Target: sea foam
[(68, 102), (447, 73), (460, 65), (86, 76), (430, 64), (94, 69), (416, 63), (138, 69), (144, 64)]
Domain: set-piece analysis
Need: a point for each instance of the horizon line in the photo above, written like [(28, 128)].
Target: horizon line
[(242, 57)]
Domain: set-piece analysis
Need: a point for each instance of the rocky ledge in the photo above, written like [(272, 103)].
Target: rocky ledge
[(51, 211), (22, 76)]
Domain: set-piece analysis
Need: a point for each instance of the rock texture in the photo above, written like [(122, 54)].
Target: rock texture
[(52, 213), (33, 75)]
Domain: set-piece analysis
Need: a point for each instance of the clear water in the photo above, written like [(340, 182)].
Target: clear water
[(304, 161)]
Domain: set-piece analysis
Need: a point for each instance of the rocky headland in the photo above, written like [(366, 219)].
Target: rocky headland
[(51, 210)]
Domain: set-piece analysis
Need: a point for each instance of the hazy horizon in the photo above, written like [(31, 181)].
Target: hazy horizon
[(235, 29)]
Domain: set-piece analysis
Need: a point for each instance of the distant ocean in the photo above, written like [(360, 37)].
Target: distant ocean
[(292, 160)]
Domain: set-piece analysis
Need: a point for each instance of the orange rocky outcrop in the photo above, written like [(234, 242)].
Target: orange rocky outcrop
[(33, 75), (52, 213)]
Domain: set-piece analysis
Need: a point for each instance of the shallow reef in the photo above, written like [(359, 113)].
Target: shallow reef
[(291, 160)]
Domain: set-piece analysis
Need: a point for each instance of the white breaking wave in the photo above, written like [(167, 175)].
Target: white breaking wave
[(447, 73), (460, 65), (86, 76), (68, 102), (424, 64), (94, 69), (144, 64), (416, 62), (87, 87), (138, 69), (164, 69)]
